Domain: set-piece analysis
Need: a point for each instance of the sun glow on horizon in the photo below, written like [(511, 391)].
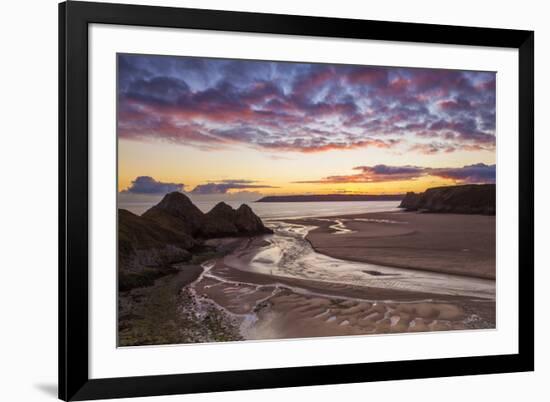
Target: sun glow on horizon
[(226, 127)]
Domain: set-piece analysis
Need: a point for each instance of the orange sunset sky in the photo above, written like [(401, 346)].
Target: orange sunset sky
[(218, 126)]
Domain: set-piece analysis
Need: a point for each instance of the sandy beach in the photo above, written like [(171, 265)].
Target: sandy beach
[(361, 274), (272, 307), (450, 243), (283, 286)]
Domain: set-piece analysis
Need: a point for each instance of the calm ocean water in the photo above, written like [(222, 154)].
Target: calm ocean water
[(277, 210)]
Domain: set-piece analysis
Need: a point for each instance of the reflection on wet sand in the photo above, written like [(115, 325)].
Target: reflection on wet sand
[(279, 287)]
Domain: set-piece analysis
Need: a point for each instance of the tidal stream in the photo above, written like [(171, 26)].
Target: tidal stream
[(288, 254)]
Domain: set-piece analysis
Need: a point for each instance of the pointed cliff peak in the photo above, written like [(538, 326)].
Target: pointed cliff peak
[(221, 208), (245, 208), (177, 204), (245, 212), (176, 212), (174, 199), (219, 222), (248, 222)]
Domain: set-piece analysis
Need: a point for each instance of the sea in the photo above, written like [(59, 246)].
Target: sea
[(281, 210)]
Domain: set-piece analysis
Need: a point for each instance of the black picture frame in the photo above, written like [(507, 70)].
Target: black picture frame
[(74, 19)]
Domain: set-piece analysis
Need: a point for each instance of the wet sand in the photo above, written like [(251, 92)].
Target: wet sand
[(279, 287), (329, 276), (270, 307), (446, 243)]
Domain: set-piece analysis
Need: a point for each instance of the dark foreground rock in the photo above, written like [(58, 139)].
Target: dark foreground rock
[(173, 231), (463, 199), (147, 250)]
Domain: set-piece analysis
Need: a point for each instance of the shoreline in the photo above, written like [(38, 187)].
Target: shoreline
[(334, 289), (377, 238), (272, 307), (202, 310), (214, 301)]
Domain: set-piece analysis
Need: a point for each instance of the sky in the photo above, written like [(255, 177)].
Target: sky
[(241, 127)]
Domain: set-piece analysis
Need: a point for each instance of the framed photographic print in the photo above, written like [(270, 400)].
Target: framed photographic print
[(257, 201)]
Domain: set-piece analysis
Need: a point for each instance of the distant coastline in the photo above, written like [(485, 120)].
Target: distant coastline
[(461, 199), (331, 197)]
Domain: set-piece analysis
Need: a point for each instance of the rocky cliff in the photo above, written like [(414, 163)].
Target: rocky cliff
[(177, 213), (410, 202), (219, 222), (462, 199), (170, 232), (147, 250), (224, 221)]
